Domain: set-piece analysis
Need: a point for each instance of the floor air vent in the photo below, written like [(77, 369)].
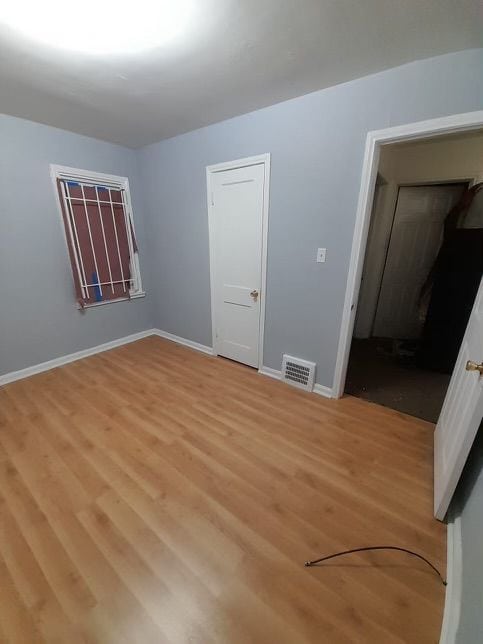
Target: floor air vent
[(297, 372)]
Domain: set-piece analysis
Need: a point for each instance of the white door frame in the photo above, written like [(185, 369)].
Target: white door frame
[(233, 165), (411, 131)]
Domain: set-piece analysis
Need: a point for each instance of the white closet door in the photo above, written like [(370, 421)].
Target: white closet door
[(415, 240), (237, 228)]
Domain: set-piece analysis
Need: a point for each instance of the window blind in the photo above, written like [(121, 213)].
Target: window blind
[(100, 238)]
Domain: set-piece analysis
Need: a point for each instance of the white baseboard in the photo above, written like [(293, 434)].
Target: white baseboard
[(321, 390), (271, 373), (187, 343), (85, 353), (454, 571), (71, 357)]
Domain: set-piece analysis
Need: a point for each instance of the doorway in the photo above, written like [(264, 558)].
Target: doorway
[(421, 272), (238, 197), (390, 339), (460, 417)]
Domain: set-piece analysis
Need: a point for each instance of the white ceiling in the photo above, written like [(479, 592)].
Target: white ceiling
[(239, 55)]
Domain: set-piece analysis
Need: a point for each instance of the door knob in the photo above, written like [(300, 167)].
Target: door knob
[(474, 366), (254, 293)]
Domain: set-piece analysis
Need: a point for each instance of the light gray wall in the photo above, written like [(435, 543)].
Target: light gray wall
[(469, 504), (317, 144), (38, 316)]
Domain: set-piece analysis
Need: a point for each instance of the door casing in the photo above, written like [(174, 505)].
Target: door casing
[(375, 139), (210, 171)]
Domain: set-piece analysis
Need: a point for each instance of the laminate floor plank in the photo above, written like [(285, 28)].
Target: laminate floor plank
[(153, 494)]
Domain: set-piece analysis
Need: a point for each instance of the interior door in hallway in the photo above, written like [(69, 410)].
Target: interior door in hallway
[(462, 412), (236, 236), (416, 236)]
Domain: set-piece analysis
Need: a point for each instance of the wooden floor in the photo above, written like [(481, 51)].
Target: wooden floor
[(155, 494)]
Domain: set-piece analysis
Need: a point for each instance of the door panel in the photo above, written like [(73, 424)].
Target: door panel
[(239, 295), (461, 413), (414, 244), (237, 229)]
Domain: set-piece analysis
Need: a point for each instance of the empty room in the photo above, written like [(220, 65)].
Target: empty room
[(241, 322)]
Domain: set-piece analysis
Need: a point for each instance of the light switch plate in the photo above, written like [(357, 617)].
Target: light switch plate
[(321, 252)]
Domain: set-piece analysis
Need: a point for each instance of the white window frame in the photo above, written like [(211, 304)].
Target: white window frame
[(111, 181)]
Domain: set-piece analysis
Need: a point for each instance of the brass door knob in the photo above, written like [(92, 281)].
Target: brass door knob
[(254, 294), (474, 366)]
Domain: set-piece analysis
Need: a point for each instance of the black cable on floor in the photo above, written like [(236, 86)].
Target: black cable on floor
[(348, 552)]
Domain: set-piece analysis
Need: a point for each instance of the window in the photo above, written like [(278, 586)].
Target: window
[(97, 215)]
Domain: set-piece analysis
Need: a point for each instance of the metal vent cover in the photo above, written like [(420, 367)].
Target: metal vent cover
[(297, 372)]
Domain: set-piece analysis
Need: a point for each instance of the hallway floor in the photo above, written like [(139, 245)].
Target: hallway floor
[(376, 375)]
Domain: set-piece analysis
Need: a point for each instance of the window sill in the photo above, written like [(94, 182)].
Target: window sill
[(134, 296)]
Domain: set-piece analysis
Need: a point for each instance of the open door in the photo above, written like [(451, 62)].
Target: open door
[(461, 413)]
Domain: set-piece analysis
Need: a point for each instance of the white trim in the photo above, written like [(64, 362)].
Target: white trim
[(187, 343), (232, 165), (454, 571), (239, 163), (410, 131), (134, 296), (66, 172), (435, 180), (106, 346), (111, 181), (322, 390), (271, 373), (72, 357)]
